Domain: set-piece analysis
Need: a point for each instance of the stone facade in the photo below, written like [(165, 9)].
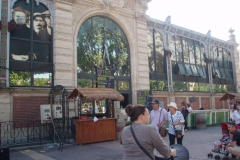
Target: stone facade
[(130, 15)]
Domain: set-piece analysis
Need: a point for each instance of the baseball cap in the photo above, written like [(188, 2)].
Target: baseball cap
[(155, 101)]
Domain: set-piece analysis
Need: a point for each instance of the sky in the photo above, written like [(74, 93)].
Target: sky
[(200, 15)]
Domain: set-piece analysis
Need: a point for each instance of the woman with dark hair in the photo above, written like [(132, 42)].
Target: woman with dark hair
[(185, 112), (146, 135)]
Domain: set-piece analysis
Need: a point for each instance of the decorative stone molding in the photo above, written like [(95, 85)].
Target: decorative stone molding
[(128, 4), (143, 5), (141, 17)]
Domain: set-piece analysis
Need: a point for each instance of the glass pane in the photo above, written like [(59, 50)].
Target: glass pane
[(41, 52), (159, 45), (150, 43), (204, 87), (218, 73), (198, 53), (179, 47), (225, 59), (188, 69), (160, 66), (87, 107), (217, 87), (202, 50), (85, 83), (228, 74), (220, 57), (201, 71), (230, 88), (42, 79), (192, 86), (110, 24), (180, 86), (97, 22), (191, 52), (175, 69), (181, 69), (153, 85), (223, 73), (151, 65), (162, 85), (185, 50), (100, 106), (214, 53), (173, 43), (19, 78), (19, 50), (194, 70), (123, 85), (19, 25)]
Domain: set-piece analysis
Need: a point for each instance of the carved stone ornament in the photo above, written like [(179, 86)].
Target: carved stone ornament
[(141, 18), (143, 5), (128, 4), (116, 3)]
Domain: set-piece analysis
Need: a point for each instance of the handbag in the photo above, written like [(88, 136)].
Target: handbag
[(178, 133), (139, 145), (162, 130)]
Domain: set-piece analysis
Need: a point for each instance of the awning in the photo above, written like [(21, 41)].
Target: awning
[(96, 94), (227, 96)]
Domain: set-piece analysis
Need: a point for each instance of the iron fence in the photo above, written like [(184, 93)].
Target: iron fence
[(33, 132)]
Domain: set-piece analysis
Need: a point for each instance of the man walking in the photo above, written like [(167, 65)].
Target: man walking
[(158, 116)]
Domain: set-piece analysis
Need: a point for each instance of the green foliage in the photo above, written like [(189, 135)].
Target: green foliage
[(41, 82), (20, 78)]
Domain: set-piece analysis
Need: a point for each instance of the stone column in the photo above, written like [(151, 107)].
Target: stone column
[(63, 43)]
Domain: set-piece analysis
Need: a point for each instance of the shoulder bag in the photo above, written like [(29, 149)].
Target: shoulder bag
[(162, 130), (177, 132), (139, 145)]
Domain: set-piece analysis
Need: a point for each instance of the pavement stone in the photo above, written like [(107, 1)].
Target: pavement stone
[(199, 143)]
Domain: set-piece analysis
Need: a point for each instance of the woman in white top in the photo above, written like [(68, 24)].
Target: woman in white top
[(236, 115), (175, 120)]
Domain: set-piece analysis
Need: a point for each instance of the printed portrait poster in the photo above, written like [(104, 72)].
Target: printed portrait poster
[(30, 33)]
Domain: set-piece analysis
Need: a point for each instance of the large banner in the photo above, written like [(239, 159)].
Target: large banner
[(30, 32)]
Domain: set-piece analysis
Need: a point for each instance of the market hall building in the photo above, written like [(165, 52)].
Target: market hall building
[(107, 44)]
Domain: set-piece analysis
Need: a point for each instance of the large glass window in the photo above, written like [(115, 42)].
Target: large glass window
[(190, 60), (30, 56), (156, 55), (222, 63), (103, 54)]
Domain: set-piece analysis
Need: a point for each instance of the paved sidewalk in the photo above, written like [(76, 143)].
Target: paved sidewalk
[(198, 142)]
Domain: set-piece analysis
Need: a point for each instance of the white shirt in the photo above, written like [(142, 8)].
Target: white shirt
[(236, 115), (155, 119), (177, 117)]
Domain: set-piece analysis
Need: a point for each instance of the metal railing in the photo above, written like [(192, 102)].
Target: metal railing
[(33, 132)]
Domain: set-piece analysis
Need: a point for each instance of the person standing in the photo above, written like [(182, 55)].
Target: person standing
[(146, 135), (158, 116), (185, 112), (175, 120)]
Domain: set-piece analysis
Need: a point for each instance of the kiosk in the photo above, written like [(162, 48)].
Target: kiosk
[(95, 121)]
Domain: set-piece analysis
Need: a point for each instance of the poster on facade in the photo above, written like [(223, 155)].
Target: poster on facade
[(30, 32)]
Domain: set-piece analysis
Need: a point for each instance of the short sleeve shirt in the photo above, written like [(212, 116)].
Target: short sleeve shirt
[(236, 137), (177, 117)]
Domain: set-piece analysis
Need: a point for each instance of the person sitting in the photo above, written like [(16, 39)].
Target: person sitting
[(234, 146), (147, 136), (221, 143)]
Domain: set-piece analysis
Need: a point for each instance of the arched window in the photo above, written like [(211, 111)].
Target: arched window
[(103, 54), (30, 56)]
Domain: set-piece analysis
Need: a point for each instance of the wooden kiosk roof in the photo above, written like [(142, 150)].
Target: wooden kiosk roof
[(96, 94)]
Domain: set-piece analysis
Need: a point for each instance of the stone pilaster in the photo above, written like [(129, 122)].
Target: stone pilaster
[(63, 43)]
